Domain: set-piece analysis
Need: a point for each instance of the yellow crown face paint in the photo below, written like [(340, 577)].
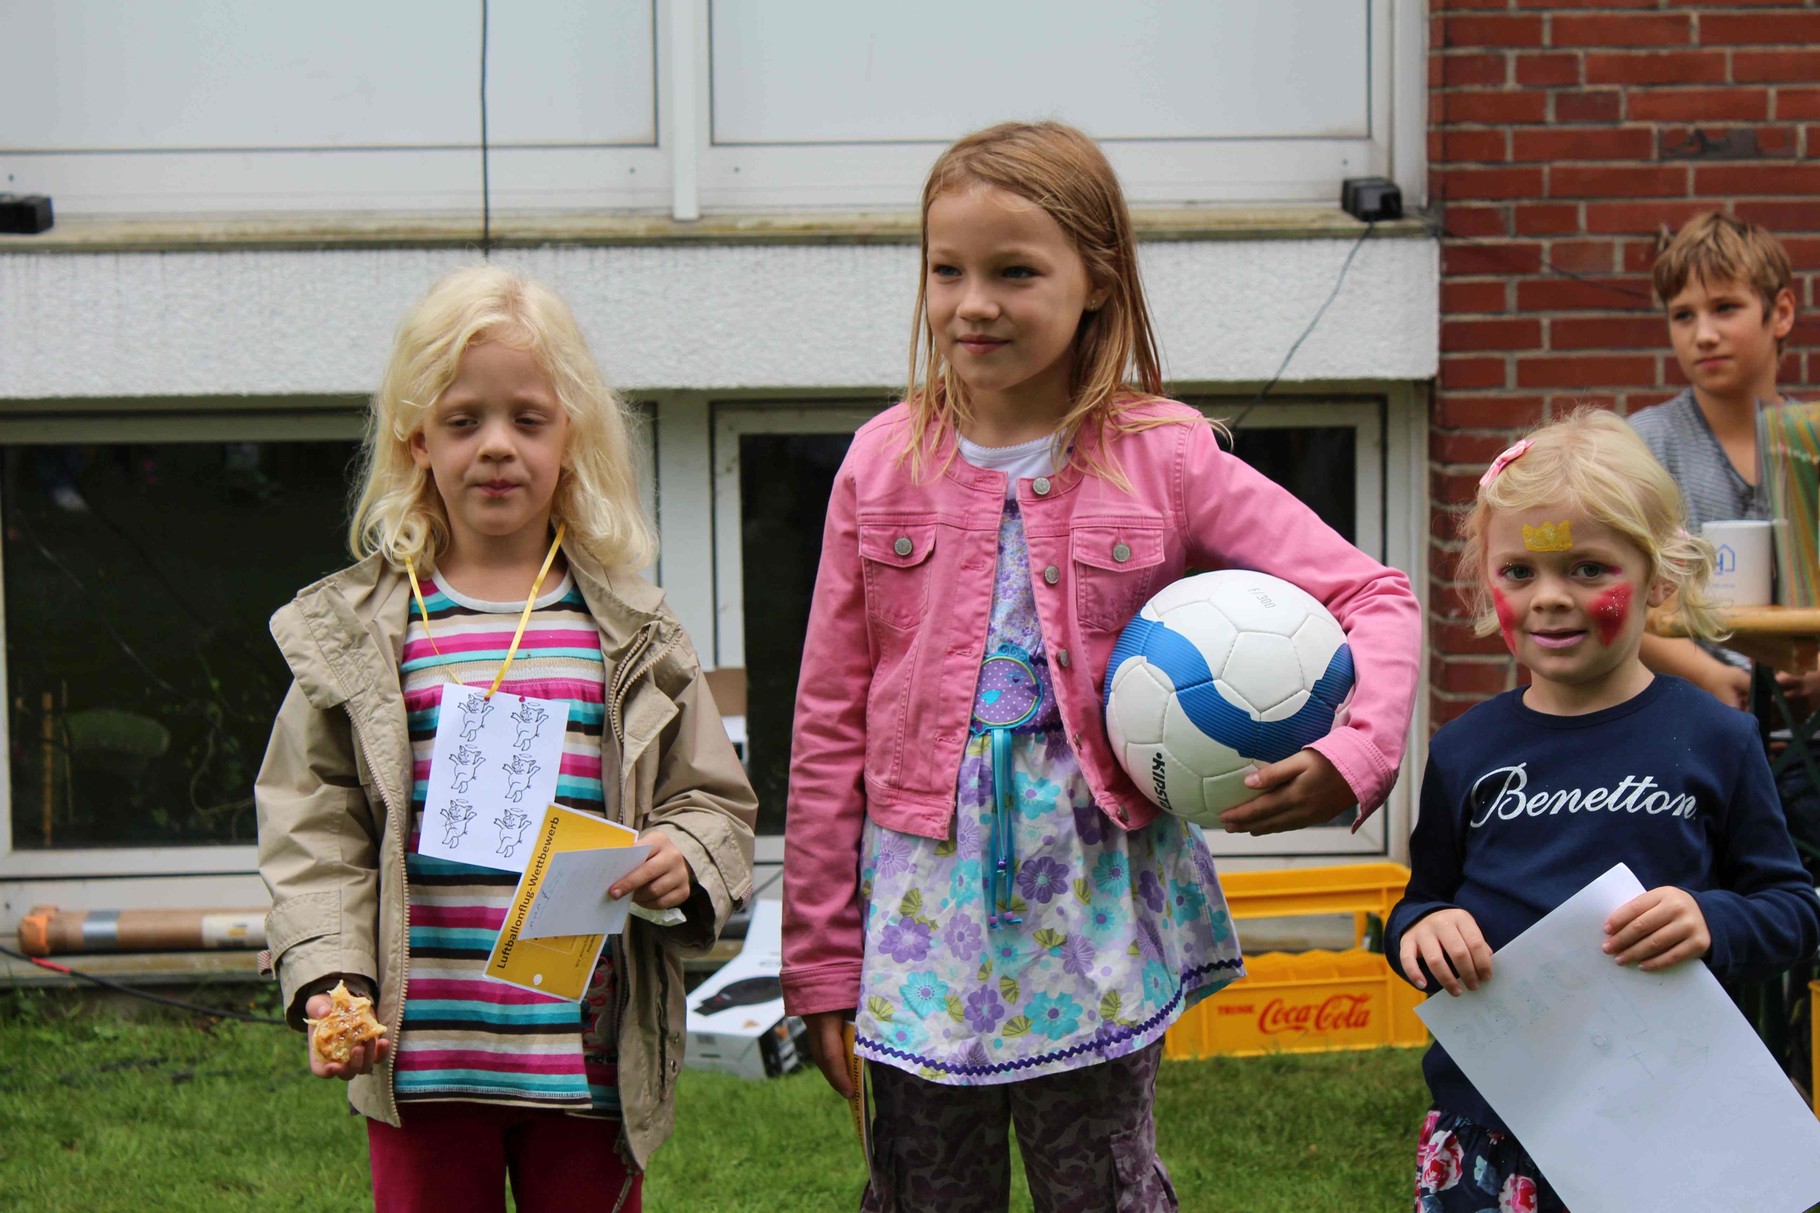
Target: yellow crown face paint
[(1549, 537)]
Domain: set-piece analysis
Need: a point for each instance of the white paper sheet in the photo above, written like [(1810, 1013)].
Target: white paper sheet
[(493, 768), (1631, 1090), (572, 897)]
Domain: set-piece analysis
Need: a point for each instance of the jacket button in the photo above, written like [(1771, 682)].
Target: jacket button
[(1041, 486), (1061, 658), (1121, 552), (1052, 574), (903, 545)]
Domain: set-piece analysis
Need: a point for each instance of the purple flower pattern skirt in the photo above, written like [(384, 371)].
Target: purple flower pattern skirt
[(1121, 930)]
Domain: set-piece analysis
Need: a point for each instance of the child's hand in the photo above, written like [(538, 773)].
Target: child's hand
[(662, 880), (1727, 683), (829, 1048), (1803, 690), (1302, 790), (1456, 952), (364, 1057), (1662, 927)]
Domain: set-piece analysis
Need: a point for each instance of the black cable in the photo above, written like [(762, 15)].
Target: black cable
[(205, 627), (31, 536), (1233, 424), (1437, 228), (486, 183), (147, 995)]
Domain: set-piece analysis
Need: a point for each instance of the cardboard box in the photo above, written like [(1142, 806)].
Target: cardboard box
[(736, 1020)]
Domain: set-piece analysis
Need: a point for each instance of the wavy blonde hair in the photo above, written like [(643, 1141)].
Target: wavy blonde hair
[(397, 511), (1116, 366), (1594, 462)]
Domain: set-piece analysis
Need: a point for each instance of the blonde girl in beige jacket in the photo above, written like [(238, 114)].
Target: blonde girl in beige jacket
[(496, 480)]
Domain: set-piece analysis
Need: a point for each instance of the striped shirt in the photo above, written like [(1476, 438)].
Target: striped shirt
[(1677, 434), (465, 1036)]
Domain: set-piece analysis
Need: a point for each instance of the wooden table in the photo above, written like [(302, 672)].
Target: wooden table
[(1783, 638), (1776, 638)]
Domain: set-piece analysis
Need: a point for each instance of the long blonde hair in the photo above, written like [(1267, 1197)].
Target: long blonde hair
[(397, 511), (1116, 366), (1594, 462)]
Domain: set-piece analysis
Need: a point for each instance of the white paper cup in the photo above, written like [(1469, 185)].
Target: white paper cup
[(1742, 559)]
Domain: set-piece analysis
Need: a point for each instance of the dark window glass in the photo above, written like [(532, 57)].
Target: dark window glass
[(784, 482), (1316, 463), (141, 678)]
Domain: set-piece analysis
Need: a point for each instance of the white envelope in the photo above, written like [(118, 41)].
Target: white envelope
[(572, 900)]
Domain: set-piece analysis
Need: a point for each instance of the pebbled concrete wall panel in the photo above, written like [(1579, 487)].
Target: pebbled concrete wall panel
[(666, 316)]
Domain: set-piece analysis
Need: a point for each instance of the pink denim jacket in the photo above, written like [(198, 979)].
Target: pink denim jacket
[(898, 629)]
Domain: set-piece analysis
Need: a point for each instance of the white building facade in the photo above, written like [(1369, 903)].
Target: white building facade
[(725, 190)]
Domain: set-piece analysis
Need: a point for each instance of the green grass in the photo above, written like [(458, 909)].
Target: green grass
[(107, 1113)]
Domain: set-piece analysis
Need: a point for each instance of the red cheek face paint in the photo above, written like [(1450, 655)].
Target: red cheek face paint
[(1609, 611), (1507, 620)]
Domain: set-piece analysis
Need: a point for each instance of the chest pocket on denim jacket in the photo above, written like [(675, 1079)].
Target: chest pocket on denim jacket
[(897, 565), (1115, 572)]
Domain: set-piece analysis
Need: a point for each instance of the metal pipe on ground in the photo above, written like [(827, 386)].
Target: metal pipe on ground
[(48, 931)]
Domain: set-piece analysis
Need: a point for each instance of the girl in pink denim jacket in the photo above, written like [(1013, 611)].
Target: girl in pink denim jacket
[(986, 542)]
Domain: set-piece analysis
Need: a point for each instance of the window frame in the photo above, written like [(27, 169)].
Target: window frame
[(845, 175), (109, 422), (685, 171), (1386, 416)]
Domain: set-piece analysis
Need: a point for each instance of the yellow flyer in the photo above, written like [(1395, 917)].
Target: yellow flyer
[(557, 965), (861, 1103)]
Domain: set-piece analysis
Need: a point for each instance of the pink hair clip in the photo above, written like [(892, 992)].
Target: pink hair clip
[(1511, 454)]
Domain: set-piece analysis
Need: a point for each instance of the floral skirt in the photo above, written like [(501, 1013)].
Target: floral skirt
[(1464, 1167), (1120, 931)]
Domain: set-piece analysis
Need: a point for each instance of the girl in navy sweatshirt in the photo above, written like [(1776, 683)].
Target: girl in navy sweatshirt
[(1575, 535)]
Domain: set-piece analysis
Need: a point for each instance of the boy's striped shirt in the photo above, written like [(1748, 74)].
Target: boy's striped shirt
[(464, 1036)]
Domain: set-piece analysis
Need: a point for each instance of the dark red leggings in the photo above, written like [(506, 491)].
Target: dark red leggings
[(456, 1157)]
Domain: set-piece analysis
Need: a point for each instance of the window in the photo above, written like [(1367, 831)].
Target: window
[(774, 470), (143, 556), (833, 104), (207, 106), (140, 676), (192, 106), (774, 467)]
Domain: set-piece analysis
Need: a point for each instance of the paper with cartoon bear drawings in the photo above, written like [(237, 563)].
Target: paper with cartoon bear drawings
[(492, 771)]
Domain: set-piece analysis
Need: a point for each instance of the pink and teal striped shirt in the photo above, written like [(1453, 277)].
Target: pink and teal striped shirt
[(464, 1036)]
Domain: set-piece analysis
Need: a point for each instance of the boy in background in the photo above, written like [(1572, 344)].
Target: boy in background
[(1728, 290)]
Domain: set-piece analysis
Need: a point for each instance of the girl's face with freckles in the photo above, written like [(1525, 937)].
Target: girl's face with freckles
[(1006, 292), (1572, 598)]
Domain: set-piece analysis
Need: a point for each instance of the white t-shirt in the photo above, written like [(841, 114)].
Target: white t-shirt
[(1020, 462)]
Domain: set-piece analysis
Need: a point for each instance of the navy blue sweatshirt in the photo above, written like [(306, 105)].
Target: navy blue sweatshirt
[(1521, 810)]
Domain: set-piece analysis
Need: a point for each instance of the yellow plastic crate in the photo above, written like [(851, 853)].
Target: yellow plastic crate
[(1355, 888), (1813, 1027), (1307, 1002)]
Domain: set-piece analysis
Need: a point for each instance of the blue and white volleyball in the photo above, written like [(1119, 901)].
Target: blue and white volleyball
[(1219, 674)]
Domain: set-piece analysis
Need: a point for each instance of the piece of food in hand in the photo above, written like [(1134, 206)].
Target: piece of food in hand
[(348, 1024)]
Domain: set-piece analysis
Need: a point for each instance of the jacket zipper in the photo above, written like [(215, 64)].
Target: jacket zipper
[(632, 668), (622, 679), (404, 886)]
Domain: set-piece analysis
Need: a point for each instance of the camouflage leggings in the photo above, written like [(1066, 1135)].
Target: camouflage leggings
[(1087, 1136)]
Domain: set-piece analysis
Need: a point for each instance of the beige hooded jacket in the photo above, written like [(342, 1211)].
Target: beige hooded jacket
[(334, 798)]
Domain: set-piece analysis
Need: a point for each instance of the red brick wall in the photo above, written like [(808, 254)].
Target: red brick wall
[(1569, 133)]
